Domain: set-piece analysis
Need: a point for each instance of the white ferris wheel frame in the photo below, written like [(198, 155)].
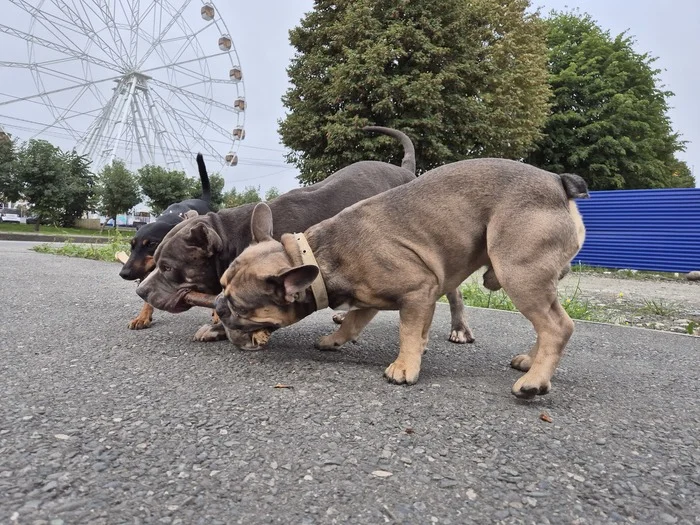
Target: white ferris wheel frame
[(140, 116)]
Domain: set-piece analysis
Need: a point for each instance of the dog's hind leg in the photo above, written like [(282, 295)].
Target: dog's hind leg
[(460, 332), (415, 318), (351, 327), (143, 319), (535, 295), (527, 262)]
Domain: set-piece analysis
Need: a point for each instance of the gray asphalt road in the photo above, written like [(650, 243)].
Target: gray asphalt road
[(99, 424)]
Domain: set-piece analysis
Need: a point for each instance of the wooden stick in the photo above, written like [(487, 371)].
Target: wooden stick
[(200, 299)]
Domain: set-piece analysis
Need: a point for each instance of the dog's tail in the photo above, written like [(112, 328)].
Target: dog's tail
[(409, 152), (574, 186), (204, 177)]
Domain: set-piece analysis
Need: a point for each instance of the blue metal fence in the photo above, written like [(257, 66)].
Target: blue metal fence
[(642, 229)]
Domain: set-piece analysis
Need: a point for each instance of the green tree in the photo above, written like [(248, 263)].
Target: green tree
[(164, 187), (7, 167), (609, 120), (118, 190), (272, 193), (233, 198), (80, 192), (41, 178), (461, 78), (216, 184)]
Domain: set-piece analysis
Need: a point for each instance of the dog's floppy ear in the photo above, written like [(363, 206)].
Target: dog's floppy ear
[(261, 223), (202, 236), (296, 280), (190, 214)]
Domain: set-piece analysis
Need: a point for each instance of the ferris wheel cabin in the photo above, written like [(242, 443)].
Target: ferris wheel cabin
[(235, 74), (208, 12), (225, 43), (231, 158)]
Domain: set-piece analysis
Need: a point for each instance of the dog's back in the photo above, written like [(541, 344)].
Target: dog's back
[(481, 197)]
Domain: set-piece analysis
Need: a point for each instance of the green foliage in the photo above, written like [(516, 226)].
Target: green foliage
[(233, 198), (272, 193), (475, 295), (163, 187), (462, 79), (118, 190), (80, 189), (8, 188), (58, 186), (99, 252), (216, 183), (658, 307), (609, 120)]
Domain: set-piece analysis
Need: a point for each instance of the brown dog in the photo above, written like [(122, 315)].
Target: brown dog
[(403, 249)]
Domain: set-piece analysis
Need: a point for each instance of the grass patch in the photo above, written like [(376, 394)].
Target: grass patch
[(57, 230), (475, 295), (658, 307), (99, 251)]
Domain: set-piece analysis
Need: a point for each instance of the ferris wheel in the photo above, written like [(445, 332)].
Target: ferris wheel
[(143, 81)]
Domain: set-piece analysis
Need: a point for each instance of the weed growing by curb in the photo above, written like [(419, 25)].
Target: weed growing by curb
[(99, 252)]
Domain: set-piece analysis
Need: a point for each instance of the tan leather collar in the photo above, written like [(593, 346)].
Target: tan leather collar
[(318, 287)]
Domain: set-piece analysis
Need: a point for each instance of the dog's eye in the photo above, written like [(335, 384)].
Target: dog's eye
[(166, 268)]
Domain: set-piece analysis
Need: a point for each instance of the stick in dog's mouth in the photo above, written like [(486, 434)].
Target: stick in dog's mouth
[(192, 298), (200, 299)]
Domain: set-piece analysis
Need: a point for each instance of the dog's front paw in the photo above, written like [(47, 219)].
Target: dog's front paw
[(461, 336), (521, 362), (210, 332), (400, 372), (339, 317), (139, 323), (330, 342), (531, 385)]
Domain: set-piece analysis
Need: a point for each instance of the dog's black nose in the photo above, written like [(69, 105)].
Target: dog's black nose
[(221, 307), (126, 273)]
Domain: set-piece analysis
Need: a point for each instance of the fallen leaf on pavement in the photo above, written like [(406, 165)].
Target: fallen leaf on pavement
[(545, 417)]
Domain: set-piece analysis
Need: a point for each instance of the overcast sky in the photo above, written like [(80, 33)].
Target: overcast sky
[(669, 30)]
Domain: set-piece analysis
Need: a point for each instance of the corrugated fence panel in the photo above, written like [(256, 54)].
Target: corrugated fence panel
[(642, 229)]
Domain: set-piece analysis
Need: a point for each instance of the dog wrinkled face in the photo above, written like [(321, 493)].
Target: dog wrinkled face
[(261, 287), (252, 299)]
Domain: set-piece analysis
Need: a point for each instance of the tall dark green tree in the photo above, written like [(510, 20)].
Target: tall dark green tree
[(461, 78), (609, 119), (118, 190)]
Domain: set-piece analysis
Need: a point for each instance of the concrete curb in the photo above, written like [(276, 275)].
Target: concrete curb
[(41, 237)]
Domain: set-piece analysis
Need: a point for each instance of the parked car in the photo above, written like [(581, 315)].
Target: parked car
[(10, 217), (33, 220)]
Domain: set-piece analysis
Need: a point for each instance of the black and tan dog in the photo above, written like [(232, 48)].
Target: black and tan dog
[(194, 255), (404, 248), (148, 238)]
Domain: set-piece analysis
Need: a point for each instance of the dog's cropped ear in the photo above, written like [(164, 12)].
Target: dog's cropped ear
[(296, 280), (203, 236), (261, 223)]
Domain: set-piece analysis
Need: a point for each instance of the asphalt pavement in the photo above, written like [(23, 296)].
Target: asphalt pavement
[(99, 424)]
